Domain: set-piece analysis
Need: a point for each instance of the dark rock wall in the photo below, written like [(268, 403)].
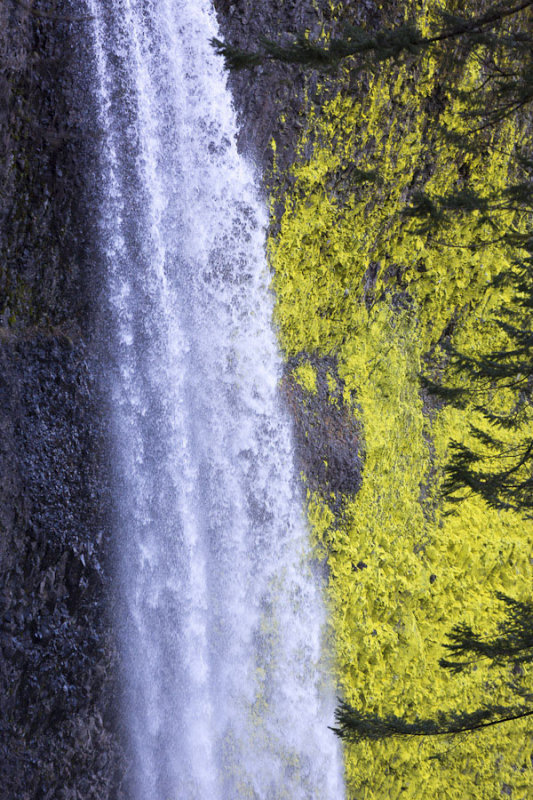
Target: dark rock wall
[(327, 436), (58, 735), (46, 142), (263, 94), (56, 672)]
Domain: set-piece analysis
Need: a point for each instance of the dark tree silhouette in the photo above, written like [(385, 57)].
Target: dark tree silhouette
[(496, 467), (512, 647)]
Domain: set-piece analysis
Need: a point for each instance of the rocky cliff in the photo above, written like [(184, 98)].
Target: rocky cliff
[(58, 664), (57, 678)]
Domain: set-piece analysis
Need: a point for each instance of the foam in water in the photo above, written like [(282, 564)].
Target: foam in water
[(222, 623)]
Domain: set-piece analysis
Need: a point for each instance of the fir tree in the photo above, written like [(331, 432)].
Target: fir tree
[(511, 647), (498, 466)]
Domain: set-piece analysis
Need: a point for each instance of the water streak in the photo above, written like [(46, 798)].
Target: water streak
[(222, 636)]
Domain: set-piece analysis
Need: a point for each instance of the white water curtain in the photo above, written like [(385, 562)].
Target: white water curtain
[(222, 621)]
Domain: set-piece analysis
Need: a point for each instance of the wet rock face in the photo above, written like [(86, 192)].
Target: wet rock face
[(57, 665), (328, 437), (263, 93), (58, 736), (46, 146)]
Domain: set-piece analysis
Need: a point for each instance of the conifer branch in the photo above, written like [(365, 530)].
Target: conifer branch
[(354, 726), (356, 42)]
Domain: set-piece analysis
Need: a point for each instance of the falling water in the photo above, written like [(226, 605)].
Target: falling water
[(223, 622)]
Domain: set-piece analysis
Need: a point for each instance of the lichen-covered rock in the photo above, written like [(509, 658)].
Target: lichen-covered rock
[(327, 434)]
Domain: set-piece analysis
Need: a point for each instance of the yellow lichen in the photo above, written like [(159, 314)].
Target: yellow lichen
[(305, 375)]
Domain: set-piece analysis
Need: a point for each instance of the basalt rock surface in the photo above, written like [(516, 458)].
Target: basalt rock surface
[(328, 438), (57, 676), (58, 735)]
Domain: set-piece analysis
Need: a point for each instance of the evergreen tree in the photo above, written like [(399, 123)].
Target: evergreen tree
[(511, 647), (499, 465), (501, 473)]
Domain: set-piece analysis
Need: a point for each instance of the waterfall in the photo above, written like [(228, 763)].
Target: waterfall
[(222, 622)]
